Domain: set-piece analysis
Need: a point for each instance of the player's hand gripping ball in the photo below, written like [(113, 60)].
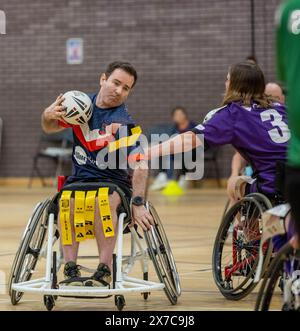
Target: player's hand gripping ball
[(79, 107)]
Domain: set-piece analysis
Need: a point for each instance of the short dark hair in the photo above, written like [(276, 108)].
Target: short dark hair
[(179, 108), (126, 66)]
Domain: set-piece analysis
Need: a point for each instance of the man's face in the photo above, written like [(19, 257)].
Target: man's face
[(179, 117), (115, 88), (275, 91)]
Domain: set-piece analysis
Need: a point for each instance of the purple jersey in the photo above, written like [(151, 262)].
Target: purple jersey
[(259, 135)]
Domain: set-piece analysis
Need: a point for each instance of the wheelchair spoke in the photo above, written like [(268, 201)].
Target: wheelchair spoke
[(236, 247), (162, 258), (29, 251)]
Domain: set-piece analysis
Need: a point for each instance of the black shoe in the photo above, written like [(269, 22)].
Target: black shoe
[(72, 275), (102, 277)]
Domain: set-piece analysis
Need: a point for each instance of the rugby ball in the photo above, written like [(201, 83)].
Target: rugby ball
[(79, 107)]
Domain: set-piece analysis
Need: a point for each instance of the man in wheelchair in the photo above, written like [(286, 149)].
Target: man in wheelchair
[(90, 152)]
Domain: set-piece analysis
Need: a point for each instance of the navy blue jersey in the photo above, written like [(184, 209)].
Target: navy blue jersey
[(91, 159)]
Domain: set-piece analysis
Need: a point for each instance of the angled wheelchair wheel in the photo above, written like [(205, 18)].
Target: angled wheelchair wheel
[(28, 253), (225, 209), (161, 255), (277, 280), (236, 247)]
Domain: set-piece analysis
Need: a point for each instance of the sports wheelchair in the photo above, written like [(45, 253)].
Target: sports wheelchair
[(40, 246), (237, 245), (281, 284)]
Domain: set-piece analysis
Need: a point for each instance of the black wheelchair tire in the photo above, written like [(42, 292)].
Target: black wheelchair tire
[(161, 255), (38, 219)]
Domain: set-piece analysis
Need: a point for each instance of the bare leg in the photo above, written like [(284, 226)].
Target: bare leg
[(70, 251), (106, 245)]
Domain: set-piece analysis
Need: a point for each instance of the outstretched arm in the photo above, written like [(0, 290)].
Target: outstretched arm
[(181, 143)]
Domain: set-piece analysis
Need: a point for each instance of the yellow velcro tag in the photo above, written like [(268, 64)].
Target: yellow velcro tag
[(136, 130), (125, 141), (79, 221), (105, 213), (89, 214), (135, 133), (64, 215)]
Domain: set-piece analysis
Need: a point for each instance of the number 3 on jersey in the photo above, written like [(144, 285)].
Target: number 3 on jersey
[(278, 136)]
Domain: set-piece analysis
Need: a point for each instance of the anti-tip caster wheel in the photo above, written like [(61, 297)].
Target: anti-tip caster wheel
[(49, 302), (146, 295), (120, 302)]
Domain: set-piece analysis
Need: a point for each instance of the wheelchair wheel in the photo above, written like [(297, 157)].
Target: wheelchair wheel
[(28, 253), (225, 209), (161, 255), (120, 302), (236, 247), (270, 294), (49, 302)]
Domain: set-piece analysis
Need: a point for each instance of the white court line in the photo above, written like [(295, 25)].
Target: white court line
[(193, 272)]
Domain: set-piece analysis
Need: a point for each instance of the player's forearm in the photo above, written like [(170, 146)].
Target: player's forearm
[(139, 181), (237, 164), (184, 142), (52, 114), (49, 125)]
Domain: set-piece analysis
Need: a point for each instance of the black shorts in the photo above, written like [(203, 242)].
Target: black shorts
[(89, 185), (125, 192)]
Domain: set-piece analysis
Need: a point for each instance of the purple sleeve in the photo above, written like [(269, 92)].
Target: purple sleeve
[(218, 127)]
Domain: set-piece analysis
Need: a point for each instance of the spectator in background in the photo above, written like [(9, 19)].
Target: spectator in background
[(275, 91), (181, 120), (182, 124)]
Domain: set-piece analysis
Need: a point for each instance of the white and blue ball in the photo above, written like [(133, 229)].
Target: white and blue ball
[(79, 107)]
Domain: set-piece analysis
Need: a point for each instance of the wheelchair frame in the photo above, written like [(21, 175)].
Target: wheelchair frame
[(122, 265), (262, 203), (281, 269)]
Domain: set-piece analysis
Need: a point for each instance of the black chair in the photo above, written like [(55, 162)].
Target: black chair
[(56, 147)]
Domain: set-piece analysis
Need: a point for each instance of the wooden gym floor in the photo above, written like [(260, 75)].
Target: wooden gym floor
[(191, 222)]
